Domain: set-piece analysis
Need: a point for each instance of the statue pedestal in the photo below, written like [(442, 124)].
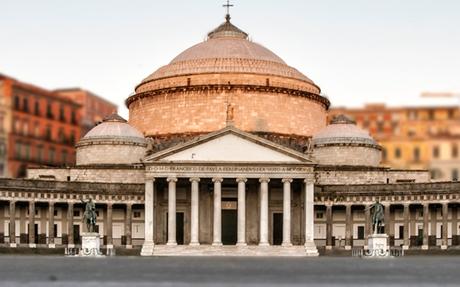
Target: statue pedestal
[(90, 245), (377, 246)]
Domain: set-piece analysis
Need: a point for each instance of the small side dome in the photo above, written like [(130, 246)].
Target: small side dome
[(113, 141), (344, 143)]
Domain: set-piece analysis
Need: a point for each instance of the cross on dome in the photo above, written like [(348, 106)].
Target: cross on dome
[(227, 6)]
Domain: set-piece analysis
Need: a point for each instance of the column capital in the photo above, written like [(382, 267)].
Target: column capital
[(309, 178), (194, 179), (109, 204), (149, 178), (264, 179), (241, 179), (217, 179), (284, 180), (171, 179)]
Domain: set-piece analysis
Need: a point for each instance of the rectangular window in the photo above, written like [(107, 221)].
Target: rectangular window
[(136, 214), (360, 232), (319, 215), (40, 154), (454, 151), (76, 213), (416, 154), (397, 152), (435, 152), (25, 104), (61, 113), (37, 108), (55, 230), (455, 174), (49, 111), (16, 103), (401, 232)]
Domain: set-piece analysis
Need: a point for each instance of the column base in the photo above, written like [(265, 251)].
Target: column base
[(71, 245), (52, 245), (405, 247), (286, 244), (129, 246), (13, 245), (147, 248), (241, 244), (171, 243), (347, 247), (194, 244), (264, 244), (109, 246), (328, 247), (217, 244), (443, 247), (424, 247), (310, 248), (32, 245)]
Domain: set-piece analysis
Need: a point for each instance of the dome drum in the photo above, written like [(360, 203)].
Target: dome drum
[(343, 143), (113, 142)]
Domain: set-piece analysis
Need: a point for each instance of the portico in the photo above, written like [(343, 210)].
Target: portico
[(256, 177)]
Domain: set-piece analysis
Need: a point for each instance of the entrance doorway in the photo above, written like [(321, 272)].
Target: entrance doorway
[(229, 226), (179, 227), (76, 234), (277, 228)]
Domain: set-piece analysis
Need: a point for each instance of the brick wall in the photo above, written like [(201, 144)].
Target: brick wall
[(206, 111)]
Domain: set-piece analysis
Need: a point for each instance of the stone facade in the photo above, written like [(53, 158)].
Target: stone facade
[(351, 155), (110, 153), (364, 175), (128, 174)]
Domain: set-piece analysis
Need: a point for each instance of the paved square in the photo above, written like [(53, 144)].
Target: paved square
[(220, 271)]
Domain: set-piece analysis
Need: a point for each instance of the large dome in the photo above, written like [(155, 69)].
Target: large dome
[(227, 79)]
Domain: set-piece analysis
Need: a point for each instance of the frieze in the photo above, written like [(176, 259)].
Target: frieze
[(254, 171)]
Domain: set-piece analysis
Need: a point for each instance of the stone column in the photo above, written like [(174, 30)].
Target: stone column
[(32, 224), (328, 226), (348, 227), (109, 226), (147, 247), (387, 221), (287, 212), (263, 241), (195, 202), (310, 246), (217, 218), (51, 225), (129, 225), (406, 226), (445, 228), (172, 211), (70, 225), (426, 234), (12, 226), (454, 222), (368, 227), (241, 211)]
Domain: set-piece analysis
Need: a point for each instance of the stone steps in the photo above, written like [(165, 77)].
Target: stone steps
[(232, 250)]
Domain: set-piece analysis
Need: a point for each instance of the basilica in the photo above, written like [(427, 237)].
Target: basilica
[(228, 151)]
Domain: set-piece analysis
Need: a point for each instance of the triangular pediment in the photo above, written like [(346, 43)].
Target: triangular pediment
[(229, 145)]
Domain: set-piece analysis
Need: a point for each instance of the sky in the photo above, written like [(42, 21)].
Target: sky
[(357, 51)]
